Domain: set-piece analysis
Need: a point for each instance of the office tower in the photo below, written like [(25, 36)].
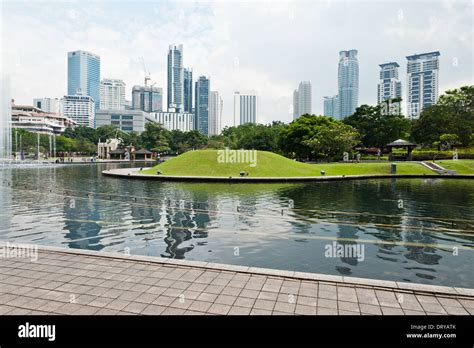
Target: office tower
[(49, 105), (147, 98), (201, 105), (348, 82), (79, 108), (423, 75), (295, 105), (245, 107), (389, 88), (83, 75), (302, 99), (215, 113), (112, 94), (331, 106), (175, 78), (188, 90)]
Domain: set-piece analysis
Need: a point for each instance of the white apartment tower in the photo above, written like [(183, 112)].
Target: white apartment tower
[(112, 94), (245, 107), (215, 113), (422, 81), (302, 100)]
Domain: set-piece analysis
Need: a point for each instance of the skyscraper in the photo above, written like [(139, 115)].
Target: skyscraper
[(348, 82), (147, 98), (201, 105), (112, 94), (295, 105), (245, 107), (188, 90), (83, 75), (389, 88), (175, 78), (50, 105), (423, 75), (215, 113), (331, 106), (80, 108), (302, 99)]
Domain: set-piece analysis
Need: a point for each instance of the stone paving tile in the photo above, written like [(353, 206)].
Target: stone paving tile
[(77, 284)]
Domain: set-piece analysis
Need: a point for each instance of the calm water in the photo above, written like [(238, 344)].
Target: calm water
[(410, 230)]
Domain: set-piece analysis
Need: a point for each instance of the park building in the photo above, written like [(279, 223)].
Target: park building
[(36, 120)]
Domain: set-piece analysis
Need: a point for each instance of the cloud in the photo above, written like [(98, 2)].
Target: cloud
[(261, 45)]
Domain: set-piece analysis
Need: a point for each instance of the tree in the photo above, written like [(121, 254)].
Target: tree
[(332, 139), (449, 140), (452, 114), (292, 140), (82, 132), (377, 129), (155, 137)]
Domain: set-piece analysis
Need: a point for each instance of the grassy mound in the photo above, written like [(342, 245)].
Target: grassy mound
[(460, 166), (268, 164)]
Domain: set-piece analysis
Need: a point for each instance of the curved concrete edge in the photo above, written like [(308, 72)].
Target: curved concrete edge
[(133, 173), (347, 281)]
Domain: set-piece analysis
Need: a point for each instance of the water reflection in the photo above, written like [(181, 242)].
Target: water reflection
[(209, 222)]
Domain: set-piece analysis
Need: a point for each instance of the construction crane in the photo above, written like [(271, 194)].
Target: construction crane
[(147, 73)]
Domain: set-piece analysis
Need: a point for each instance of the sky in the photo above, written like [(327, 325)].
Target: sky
[(267, 46)]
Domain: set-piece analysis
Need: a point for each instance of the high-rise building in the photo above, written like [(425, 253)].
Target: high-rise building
[(112, 94), (79, 108), (215, 113), (331, 106), (422, 86), (302, 99), (147, 98), (201, 105), (49, 105), (175, 78), (296, 113), (389, 88), (188, 90), (83, 75), (245, 107), (183, 121), (348, 82)]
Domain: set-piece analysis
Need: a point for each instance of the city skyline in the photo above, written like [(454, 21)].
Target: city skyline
[(233, 54)]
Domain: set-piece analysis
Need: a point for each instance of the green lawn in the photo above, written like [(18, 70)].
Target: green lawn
[(460, 166), (268, 164)]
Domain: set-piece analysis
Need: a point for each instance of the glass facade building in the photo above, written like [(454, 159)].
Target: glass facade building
[(188, 90), (83, 75), (175, 78), (302, 100), (147, 98), (348, 82), (331, 106), (202, 105)]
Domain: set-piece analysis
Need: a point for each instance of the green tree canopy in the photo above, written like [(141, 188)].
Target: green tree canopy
[(377, 129)]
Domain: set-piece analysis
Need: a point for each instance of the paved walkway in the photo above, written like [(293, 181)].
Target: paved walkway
[(64, 281), (134, 173)]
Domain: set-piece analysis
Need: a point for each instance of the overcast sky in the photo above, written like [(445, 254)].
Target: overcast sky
[(242, 45)]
